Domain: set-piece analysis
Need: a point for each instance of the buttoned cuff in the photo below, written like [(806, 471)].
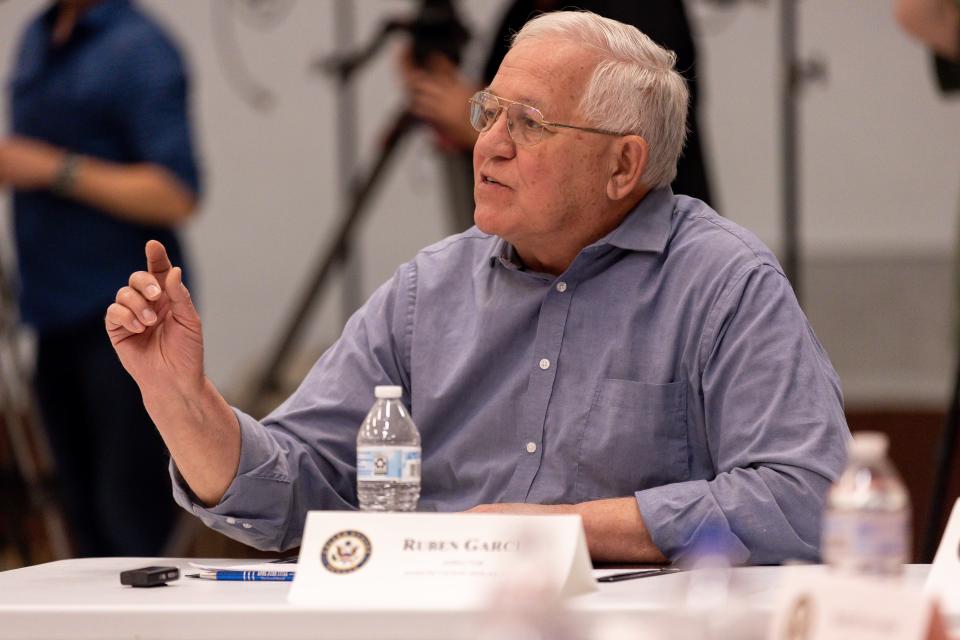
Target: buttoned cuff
[(684, 520), (254, 509)]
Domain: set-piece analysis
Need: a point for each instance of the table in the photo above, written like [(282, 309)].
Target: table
[(83, 599)]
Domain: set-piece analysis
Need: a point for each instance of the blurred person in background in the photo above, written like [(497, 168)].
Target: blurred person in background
[(935, 23), (439, 93), (99, 160)]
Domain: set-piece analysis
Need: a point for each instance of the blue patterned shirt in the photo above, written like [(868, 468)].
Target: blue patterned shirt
[(117, 91)]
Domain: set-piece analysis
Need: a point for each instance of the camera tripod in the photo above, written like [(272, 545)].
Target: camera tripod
[(436, 29), (25, 482)]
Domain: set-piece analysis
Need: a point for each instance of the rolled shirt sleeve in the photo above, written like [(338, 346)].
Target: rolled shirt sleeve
[(771, 410)]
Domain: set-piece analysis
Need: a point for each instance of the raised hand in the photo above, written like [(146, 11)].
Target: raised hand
[(155, 328), (439, 94)]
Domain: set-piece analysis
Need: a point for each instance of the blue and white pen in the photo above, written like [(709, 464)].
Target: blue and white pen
[(246, 576)]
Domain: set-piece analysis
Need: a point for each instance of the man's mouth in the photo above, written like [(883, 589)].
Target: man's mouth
[(489, 180)]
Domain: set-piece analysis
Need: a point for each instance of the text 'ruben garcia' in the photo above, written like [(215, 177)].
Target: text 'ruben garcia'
[(470, 544)]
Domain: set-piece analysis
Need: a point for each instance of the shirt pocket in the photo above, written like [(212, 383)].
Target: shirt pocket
[(635, 438)]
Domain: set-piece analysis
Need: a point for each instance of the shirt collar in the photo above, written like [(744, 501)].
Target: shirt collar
[(505, 254), (647, 226)]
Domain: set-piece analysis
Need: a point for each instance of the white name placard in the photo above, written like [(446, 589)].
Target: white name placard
[(356, 560), (944, 579), (827, 606)]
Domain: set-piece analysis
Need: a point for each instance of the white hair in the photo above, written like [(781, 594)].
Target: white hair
[(634, 88)]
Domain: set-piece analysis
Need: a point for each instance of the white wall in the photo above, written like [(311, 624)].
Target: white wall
[(881, 160)]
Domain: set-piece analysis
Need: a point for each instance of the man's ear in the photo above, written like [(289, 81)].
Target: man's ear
[(627, 164)]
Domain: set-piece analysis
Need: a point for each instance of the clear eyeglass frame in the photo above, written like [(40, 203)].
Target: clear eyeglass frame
[(525, 123)]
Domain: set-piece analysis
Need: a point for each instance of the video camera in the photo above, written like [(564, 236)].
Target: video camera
[(435, 29)]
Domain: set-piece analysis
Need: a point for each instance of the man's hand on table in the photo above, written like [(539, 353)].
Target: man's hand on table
[(523, 509), (614, 527)]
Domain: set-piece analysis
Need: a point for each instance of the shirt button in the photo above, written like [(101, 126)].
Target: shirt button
[(531, 447), (231, 521), (544, 364), (561, 286), (247, 525)]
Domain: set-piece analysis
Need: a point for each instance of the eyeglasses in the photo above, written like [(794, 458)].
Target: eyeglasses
[(524, 123)]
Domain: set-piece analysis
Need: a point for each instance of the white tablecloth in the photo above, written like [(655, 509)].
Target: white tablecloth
[(83, 598)]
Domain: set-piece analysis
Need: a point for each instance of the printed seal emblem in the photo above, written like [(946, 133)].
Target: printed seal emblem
[(346, 552)]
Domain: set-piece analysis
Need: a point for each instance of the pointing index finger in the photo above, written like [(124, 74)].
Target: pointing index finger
[(157, 261)]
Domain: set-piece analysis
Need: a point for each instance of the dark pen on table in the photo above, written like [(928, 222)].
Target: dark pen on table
[(633, 575)]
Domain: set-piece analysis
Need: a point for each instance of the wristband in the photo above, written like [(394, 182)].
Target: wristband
[(66, 176)]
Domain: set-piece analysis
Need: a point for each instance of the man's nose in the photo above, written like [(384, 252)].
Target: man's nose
[(496, 141)]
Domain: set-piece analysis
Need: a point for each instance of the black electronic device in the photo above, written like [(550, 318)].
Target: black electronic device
[(149, 576), (436, 29)]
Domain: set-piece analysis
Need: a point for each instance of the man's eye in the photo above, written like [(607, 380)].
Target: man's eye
[(489, 114), (530, 124)]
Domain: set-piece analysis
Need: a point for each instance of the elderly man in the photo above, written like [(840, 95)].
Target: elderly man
[(596, 345)]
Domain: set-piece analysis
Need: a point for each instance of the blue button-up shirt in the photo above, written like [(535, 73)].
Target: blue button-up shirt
[(117, 91), (670, 362)]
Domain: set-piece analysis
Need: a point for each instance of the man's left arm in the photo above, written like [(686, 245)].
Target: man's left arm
[(614, 528), (769, 405), (770, 412)]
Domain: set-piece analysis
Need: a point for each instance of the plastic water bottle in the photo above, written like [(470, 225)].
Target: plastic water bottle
[(866, 528), (388, 455)]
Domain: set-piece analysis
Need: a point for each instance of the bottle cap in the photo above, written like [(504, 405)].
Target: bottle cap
[(869, 445), (387, 391)]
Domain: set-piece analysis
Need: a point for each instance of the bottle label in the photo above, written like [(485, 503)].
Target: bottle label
[(860, 540), (388, 464)]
